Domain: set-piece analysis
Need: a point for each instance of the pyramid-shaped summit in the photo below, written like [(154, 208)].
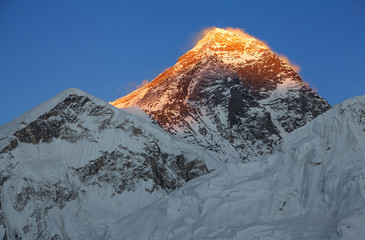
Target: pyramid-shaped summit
[(231, 47), (229, 44), (230, 95)]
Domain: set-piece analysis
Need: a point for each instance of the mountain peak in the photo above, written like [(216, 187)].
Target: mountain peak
[(232, 46), (228, 90), (229, 40)]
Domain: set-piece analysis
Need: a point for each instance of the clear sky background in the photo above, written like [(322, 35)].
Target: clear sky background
[(107, 48)]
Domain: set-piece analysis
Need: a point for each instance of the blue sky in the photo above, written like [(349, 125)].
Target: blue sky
[(107, 48)]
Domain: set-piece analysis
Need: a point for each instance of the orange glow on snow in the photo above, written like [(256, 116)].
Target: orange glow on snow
[(202, 36), (240, 32), (295, 67)]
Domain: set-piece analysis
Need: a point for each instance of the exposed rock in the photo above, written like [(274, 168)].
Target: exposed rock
[(123, 171), (58, 194), (12, 145), (56, 122)]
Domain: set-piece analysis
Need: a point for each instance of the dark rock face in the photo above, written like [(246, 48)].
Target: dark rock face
[(53, 123), (239, 111), (292, 109), (58, 193), (264, 74), (6, 173), (295, 111), (12, 145), (41, 198), (123, 171), (56, 122)]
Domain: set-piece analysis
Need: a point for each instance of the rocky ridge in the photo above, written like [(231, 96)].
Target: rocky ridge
[(75, 150)]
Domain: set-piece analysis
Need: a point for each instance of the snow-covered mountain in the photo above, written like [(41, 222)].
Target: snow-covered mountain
[(311, 187), (74, 164), (230, 95), (220, 146)]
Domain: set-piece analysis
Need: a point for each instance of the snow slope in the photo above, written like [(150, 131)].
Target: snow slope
[(75, 164), (311, 187)]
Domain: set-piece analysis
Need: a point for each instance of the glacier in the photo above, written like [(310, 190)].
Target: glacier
[(311, 187)]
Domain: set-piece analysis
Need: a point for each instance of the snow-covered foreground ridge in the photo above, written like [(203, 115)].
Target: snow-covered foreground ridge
[(75, 164), (311, 187)]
